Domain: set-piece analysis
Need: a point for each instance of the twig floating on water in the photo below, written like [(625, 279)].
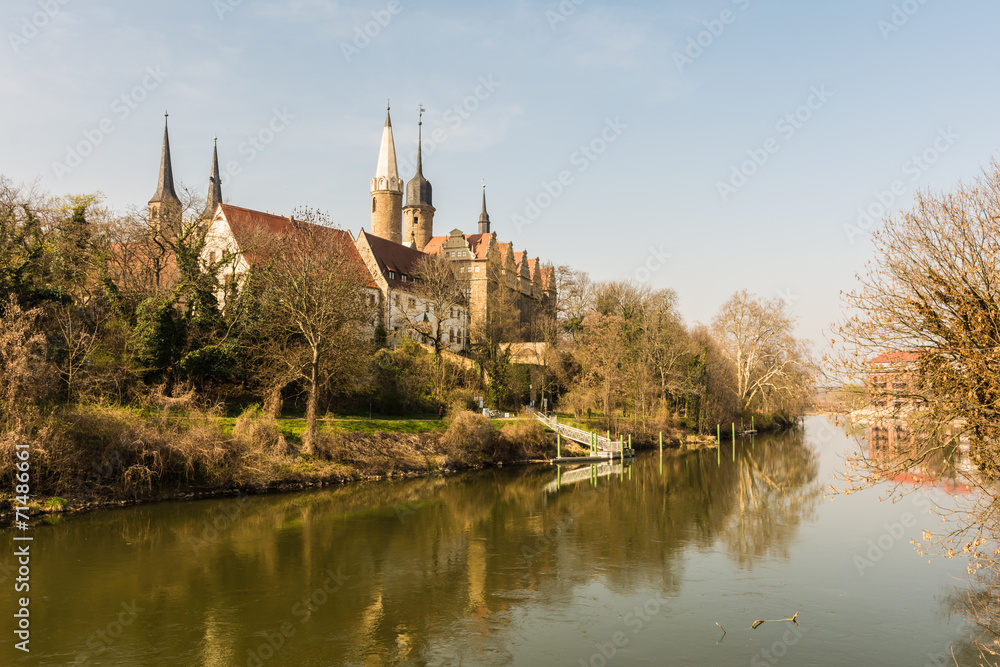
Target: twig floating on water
[(723, 634), (776, 620)]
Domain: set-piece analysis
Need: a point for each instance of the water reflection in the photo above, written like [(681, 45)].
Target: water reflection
[(900, 455), (422, 571)]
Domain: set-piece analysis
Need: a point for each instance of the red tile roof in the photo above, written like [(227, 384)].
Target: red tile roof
[(245, 223), (479, 244), (895, 357)]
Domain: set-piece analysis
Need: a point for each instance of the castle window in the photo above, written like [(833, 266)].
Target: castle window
[(211, 256), (373, 204)]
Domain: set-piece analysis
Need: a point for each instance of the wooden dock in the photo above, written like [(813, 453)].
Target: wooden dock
[(602, 449)]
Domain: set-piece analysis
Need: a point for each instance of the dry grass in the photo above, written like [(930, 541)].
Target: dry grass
[(526, 440), (383, 453), (115, 453), (471, 439)]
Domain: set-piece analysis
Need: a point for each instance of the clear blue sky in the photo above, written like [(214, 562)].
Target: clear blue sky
[(557, 77)]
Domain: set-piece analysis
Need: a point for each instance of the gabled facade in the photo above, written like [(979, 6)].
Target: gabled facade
[(237, 231), (405, 313)]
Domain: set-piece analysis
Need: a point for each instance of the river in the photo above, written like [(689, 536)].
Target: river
[(512, 566)]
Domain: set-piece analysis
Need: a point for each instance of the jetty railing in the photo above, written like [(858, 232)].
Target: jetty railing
[(580, 435)]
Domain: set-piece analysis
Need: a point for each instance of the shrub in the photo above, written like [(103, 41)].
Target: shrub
[(261, 431), (525, 440), (471, 438)]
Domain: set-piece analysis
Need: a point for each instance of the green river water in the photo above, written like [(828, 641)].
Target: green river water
[(509, 567)]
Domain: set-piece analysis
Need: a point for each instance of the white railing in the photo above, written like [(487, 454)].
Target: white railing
[(580, 435)]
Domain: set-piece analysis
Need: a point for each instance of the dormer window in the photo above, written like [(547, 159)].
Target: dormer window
[(402, 277), (392, 275)]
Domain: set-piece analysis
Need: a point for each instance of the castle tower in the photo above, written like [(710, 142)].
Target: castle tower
[(484, 217), (418, 215), (214, 186), (387, 190), (165, 206)]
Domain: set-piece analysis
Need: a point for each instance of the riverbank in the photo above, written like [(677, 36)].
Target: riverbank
[(87, 457)]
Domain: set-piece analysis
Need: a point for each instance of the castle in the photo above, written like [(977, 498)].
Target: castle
[(402, 232)]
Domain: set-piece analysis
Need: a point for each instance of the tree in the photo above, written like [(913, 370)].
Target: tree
[(437, 286), (602, 352), (932, 291), (317, 319), (772, 366), (928, 306), (496, 330), (574, 299), (666, 343)]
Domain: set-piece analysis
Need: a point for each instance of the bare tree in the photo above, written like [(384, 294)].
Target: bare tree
[(574, 295), (317, 317), (771, 364), (437, 286)]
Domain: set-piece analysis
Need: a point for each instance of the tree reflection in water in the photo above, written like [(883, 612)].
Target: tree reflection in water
[(431, 567)]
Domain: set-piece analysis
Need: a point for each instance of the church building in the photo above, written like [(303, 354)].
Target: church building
[(401, 234)]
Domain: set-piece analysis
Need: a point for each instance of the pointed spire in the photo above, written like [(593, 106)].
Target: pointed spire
[(420, 141), (214, 185), (386, 172), (165, 187), (418, 190), (484, 217)]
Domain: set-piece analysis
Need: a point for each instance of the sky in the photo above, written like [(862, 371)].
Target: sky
[(705, 147)]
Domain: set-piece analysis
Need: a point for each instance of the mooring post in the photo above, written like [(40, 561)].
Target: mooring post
[(718, 434), (661, 443), (734, 442), (558, 445), (629, 442)]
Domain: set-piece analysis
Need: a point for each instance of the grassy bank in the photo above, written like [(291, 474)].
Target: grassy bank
[(93, 455)]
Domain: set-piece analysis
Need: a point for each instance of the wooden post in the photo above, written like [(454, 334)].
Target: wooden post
[(630, 442), (558, 445), (734, 442), (718, 433)]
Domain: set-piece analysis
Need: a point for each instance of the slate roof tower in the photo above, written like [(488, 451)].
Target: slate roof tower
[(418, 215), (165, 206)]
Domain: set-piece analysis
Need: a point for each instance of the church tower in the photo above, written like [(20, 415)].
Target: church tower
[(387, 190), (214, 186), (418, 215), (165, 206), (484, 217)]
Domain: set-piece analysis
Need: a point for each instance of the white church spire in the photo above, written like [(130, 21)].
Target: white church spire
[(386, 173)]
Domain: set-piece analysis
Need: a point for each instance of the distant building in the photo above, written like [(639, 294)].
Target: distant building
[(890, 381)]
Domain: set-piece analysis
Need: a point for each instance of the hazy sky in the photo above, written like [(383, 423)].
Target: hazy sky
[(701, 146)]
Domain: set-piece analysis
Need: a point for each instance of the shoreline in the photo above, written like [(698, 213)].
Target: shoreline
[(346, 457)]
